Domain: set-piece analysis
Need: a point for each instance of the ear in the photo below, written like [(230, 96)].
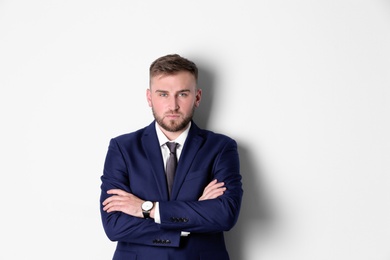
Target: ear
[(198, 97), (149, 97)]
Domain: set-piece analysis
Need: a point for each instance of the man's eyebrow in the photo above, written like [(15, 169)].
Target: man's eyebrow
[(165, 91)]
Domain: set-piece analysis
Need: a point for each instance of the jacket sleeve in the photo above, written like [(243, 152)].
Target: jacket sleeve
[(120, 226), (213, 215)]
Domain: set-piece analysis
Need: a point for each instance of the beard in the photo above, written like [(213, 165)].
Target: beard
[(174, 125)]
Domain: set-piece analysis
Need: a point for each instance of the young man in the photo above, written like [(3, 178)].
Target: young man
[(171, 203)]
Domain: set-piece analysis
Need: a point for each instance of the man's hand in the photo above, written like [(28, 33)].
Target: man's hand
[(124, 202), (213, 190)]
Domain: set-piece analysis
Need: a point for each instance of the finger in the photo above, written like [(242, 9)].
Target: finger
[(214, 186), (219, 184), (211, 183), (108, 200), (107, 207), (111, 208), (211, 196), (114, 198), (215, 193), (117, 192), (115, 205)]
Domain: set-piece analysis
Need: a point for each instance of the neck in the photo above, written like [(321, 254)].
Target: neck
[(172, 135)]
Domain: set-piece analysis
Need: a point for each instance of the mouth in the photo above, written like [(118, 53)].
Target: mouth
[(172, 116)]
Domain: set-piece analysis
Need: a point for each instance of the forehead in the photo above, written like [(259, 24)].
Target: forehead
[(182, 79)]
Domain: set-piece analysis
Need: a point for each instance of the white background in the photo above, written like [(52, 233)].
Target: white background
[(303, 87)]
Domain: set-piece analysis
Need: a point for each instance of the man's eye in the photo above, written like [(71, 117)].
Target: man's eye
[(163, 95), (183, 94)]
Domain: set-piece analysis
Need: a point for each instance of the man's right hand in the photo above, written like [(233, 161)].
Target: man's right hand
[(213, 190)]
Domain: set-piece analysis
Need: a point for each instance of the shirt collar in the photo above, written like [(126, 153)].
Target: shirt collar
[(162, 139)]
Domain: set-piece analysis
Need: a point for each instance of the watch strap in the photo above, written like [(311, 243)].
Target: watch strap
[(146, 213)]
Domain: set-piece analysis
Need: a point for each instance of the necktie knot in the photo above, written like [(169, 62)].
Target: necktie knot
[(172, 147)]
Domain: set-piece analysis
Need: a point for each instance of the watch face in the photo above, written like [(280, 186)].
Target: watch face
[(147, 205)]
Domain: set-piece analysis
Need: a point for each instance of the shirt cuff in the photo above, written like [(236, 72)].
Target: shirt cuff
[(157, 218)]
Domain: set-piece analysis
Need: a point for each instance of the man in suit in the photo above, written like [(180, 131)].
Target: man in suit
[(175, 204)]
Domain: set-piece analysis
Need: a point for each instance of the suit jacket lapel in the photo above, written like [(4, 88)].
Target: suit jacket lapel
[(191, 147), (153, 152)]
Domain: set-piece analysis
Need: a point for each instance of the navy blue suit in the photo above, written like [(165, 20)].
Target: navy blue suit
[(134, 164)]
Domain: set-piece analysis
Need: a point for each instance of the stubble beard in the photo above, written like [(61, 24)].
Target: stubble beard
[(174, 125)]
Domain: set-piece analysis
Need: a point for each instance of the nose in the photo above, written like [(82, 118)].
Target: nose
[(173, 103)]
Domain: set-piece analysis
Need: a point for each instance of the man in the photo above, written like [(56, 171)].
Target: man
[(153, 210)]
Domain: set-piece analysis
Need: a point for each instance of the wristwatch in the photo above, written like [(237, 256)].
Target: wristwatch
[(146, 208)]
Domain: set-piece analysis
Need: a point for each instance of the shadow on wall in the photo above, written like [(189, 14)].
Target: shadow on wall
[(206, 83), (255, 215), (256, 219)]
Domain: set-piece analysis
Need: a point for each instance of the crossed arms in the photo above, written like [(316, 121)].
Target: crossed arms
[(131, 205)]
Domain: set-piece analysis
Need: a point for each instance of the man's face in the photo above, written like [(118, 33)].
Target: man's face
[(173, 99)]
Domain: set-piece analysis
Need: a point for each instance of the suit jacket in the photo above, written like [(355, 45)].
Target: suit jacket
[(134, 163)]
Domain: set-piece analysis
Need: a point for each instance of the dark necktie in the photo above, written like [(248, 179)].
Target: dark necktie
[(171, 165)]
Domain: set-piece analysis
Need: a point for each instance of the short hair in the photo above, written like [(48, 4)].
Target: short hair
[(171, 64)]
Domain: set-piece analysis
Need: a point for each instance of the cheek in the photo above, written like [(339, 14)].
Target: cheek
[(185, 105), (157, 106)]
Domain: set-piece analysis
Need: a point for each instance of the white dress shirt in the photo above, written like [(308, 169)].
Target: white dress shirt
[(162, 139)]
